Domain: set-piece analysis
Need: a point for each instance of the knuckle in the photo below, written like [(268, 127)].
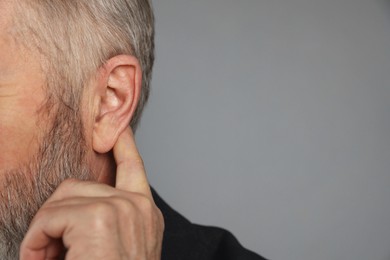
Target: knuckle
[(103, 215), (145, 204), (67, 184), (102, 208), (40, 215), (151, 213), (123, 205)]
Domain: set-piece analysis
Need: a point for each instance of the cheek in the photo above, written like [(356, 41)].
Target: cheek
[(18, 132)]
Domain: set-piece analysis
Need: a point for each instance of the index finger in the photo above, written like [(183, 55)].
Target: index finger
[(130, 172)]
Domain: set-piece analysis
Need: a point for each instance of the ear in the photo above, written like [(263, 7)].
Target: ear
[(117, 95)]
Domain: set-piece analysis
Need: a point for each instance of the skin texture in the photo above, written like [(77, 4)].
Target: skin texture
[(113, 215)]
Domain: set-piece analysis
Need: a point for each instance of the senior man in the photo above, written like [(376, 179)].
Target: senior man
[(73, 76)]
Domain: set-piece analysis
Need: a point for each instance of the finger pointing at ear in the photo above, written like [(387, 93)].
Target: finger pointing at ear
[(130, 175)]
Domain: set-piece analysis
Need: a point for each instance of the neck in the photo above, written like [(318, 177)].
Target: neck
[(104, 168)]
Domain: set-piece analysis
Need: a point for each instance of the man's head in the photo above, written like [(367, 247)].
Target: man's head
[(70, 82), (75, 38)]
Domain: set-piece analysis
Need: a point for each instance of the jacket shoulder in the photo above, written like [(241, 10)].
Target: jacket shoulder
[(184, 240)]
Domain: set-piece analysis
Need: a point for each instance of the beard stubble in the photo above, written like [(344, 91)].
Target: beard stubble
[(62, 155)]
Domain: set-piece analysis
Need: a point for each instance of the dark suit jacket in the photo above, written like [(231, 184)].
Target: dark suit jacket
[(186, 241)]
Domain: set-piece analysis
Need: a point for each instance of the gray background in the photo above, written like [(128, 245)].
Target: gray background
[(271, 118)]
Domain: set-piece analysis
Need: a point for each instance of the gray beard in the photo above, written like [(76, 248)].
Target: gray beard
[(61, 156)]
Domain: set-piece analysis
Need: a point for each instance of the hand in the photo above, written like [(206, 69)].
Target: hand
[(96, 221)]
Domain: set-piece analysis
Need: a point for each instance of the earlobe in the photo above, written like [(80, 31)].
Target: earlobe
[(118, 91)]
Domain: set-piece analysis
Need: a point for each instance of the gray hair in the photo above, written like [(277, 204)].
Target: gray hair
[(75, 37)]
